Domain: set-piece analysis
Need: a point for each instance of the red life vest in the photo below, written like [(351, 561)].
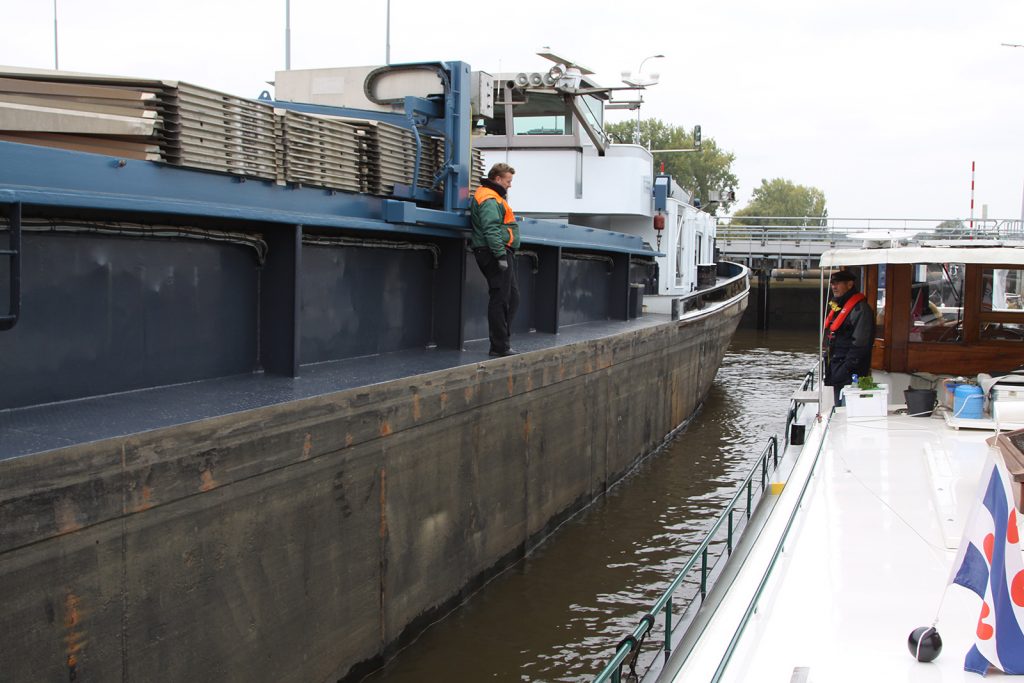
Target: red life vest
[(832, 321), (482, 194)]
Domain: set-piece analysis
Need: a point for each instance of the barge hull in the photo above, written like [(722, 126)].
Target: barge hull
[(308, 540)]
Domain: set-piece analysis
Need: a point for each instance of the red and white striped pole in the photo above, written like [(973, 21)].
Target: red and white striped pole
[(972, 195)]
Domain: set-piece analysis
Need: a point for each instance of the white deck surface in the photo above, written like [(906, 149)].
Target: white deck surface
[(867, 561)]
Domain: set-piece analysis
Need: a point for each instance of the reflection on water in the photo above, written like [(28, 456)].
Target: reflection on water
[(558, 614)]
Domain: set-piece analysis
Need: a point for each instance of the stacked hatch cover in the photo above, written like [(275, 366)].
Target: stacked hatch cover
[(320, 150), (392, 153), (190, 126), (476, 164), (211, 130), (116, 117)]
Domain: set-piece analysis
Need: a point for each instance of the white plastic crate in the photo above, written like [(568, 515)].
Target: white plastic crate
[(866, 402), (1007, 404)]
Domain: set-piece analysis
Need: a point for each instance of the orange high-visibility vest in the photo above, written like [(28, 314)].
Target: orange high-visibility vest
[(482, 194)]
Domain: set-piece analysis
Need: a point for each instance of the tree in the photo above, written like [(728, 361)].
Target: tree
[(701, 172), (780, 197)]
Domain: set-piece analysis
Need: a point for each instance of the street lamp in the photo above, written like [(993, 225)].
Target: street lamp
[(641, 69), (639, 81)]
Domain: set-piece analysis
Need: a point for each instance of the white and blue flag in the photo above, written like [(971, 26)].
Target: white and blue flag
[(989, 563)]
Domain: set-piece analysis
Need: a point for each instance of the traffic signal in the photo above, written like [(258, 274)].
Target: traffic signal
[(696, 137)]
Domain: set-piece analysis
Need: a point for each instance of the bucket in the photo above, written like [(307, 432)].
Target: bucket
[(920, 402), (968, 400)]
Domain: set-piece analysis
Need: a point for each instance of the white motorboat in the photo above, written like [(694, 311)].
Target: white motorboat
[(854, 544)]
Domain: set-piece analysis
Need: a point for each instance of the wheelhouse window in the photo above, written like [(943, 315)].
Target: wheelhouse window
[(542, 114), (1002, 305), (593, 111), (936, 303)]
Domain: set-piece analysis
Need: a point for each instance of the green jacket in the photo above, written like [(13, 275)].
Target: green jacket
[(489, 227)]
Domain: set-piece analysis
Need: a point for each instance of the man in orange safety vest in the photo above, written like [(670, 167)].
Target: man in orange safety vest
[(495, 241), (849, 332)]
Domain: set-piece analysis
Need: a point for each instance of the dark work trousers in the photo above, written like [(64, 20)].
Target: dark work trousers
[(503, 293)]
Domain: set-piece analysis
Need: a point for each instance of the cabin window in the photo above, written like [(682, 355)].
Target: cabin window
[(1002, 304), (593, 111), (542, 114), (936, 303)]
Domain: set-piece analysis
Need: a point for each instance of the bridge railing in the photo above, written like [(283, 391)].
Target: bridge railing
[(797, 229)]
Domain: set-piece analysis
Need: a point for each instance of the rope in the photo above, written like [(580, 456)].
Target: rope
[(635, 646)]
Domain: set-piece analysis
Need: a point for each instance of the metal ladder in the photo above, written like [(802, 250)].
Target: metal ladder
[(13, 252)]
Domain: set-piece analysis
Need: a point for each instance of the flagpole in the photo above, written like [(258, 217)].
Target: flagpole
[(56, 64)]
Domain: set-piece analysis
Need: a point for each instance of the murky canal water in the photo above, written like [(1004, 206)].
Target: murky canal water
[(558, 614)]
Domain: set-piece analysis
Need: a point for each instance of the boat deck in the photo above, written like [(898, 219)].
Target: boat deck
[(35, 429), (866, 561)]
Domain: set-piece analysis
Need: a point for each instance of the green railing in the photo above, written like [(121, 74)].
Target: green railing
[(752, 605), (630, 646)]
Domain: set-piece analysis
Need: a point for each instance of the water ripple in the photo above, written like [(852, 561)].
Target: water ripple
[(559, 614)]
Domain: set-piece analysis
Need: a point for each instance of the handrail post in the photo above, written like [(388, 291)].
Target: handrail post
[(750, 498), (703, 574), (729, 537), (668, 628)]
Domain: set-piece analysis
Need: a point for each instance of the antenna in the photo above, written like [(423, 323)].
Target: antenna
[(548, 53)]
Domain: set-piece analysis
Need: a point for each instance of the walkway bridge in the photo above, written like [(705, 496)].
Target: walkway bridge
[(797, 242)]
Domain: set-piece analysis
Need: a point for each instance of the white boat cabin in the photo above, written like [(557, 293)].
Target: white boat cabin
[(551, 132)]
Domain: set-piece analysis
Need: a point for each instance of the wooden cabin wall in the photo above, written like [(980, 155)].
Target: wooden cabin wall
[(894, 352)]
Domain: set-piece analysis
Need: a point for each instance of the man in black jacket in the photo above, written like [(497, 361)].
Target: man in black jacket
[(849, 332)]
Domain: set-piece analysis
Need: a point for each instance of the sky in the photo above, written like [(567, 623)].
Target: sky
[(883, 105)]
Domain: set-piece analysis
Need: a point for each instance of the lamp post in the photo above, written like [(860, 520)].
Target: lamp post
[(287, 35), (640, 79)]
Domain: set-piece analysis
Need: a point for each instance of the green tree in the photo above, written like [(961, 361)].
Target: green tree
[(780, 197), (706, 170)]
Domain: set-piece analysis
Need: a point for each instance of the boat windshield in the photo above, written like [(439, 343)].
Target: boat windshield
[(545, 113), (538, 113)]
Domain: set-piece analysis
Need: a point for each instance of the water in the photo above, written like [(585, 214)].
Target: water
[(559, 614)]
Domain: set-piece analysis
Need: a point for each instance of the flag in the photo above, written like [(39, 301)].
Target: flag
[(989, 563)]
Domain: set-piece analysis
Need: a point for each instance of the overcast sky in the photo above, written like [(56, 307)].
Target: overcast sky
[(882, 105)]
